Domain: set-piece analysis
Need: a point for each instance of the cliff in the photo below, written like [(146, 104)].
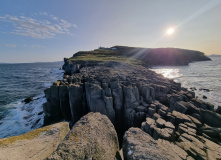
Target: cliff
[(138, 56), (170, 122)]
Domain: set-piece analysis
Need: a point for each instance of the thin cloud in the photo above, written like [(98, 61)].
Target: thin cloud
[(10, 45), (39, 29)]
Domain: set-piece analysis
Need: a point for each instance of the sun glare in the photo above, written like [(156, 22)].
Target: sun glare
[(170, 31)]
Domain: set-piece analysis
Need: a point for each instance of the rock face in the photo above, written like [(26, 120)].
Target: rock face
[(133, 96), (34, 145), (140, 145), (92, 137)]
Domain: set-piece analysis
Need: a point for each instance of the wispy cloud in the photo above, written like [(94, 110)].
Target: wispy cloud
[(10, 45), (38, 28)]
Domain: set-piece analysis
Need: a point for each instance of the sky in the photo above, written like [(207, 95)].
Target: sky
[(49, 30)]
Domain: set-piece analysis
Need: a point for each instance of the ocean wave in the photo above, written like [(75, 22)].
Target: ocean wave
[(22, 118)]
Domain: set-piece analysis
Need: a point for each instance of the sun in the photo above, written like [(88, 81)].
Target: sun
[(170, 31)]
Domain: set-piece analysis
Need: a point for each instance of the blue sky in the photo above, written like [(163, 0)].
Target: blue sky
[(49, 30)]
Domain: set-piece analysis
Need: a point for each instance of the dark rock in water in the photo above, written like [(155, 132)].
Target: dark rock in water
[(40, 113), (204, 97), (92, 137), (139, 145), (28, 100), (218, 110)]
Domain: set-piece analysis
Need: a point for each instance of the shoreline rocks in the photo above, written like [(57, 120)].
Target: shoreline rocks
[(133, 96)]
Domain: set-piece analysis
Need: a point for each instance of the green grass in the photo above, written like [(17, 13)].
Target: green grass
[(100, 55)]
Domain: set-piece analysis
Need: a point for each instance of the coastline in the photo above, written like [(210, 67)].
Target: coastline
[(133, 96)]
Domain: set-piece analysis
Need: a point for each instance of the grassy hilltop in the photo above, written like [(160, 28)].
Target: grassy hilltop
[(141, 56)]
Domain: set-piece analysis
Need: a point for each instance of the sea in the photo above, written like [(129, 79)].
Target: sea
[(203, 77), (20, 81)]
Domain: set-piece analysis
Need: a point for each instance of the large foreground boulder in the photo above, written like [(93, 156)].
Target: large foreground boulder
[(34, 145), (92, 137), (140, 145)]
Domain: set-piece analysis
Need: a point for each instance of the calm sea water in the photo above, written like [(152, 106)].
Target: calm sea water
[(17, 82), (199, 75)]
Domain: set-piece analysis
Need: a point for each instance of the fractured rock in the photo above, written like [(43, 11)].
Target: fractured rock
[(92, 137), (139, 145)]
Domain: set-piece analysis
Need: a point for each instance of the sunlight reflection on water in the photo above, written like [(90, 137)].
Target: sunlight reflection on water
[(171, 73)]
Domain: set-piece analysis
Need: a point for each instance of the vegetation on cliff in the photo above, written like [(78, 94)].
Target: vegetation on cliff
[(141, 56)]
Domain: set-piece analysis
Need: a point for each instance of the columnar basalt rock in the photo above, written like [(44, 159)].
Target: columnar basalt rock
[(76, 100), (64, 102), (132, 96)]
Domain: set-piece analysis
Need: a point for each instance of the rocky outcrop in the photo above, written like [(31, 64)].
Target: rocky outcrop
[(34, 145), (92, 137), (133, 96), (140, 145)]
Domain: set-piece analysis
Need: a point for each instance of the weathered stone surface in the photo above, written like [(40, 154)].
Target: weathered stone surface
[(92, 137), (149, 126), (182, 128), (211, 118), (35, 145), (213, 150), (98, 102), (131, 95), (139, 145), (196, 121), (180, 107), (180, 118), (160, 122), (192, 146), (169, 125)]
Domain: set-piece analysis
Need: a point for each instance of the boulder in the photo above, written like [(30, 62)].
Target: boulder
[(28, 100), (37, 144), (92, 137), (140, 145)]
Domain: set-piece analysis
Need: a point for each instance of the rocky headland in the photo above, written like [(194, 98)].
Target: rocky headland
[(151, 117)]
